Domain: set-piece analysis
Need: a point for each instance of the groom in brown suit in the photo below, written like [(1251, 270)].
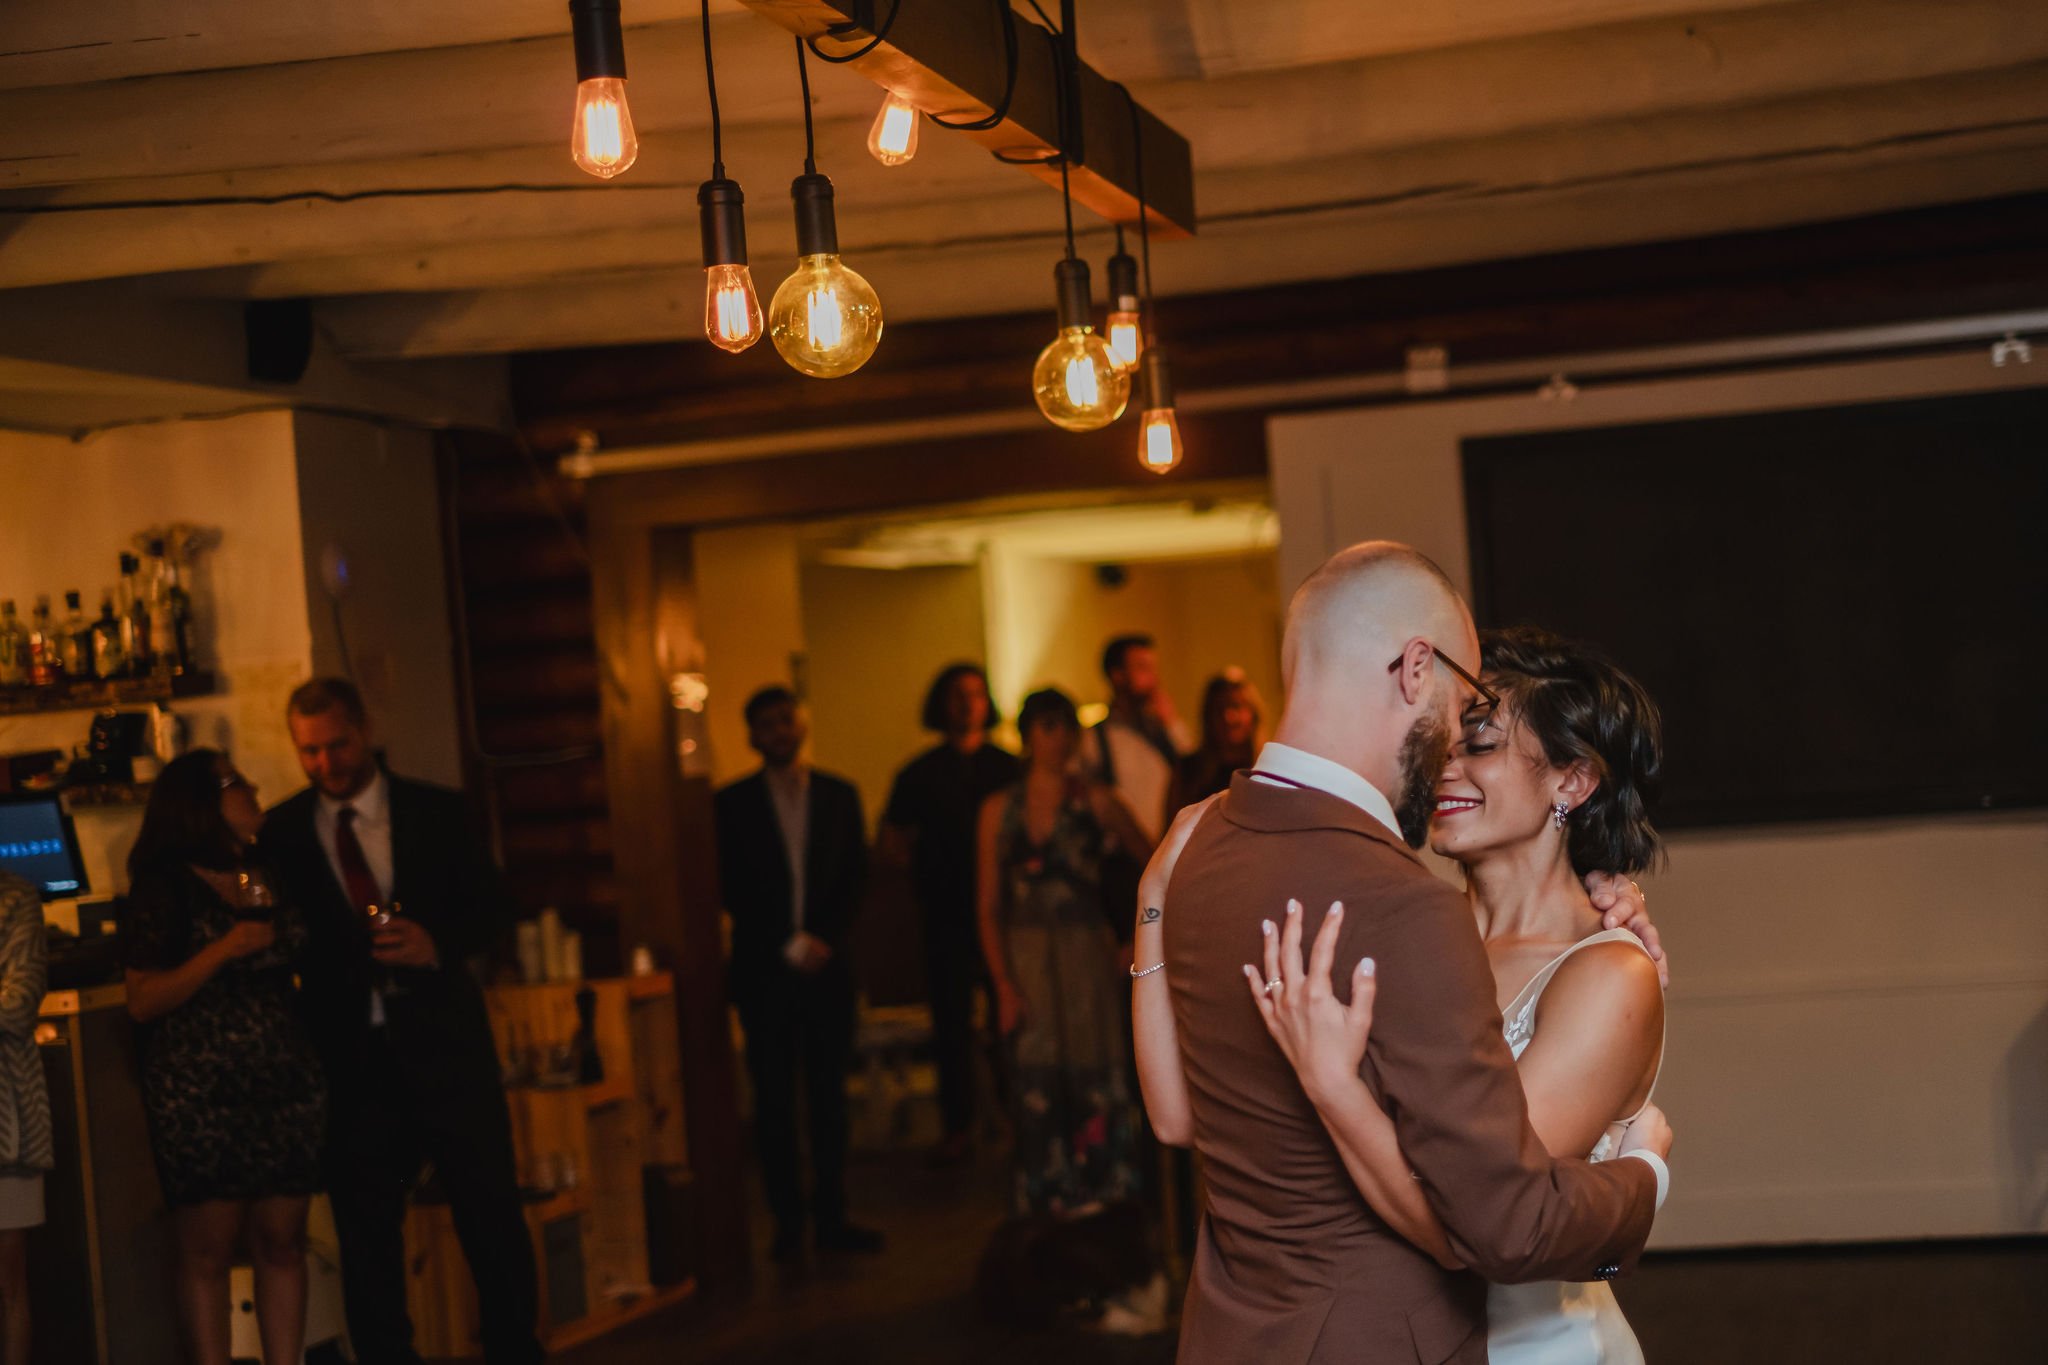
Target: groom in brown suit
[(1293, 1266)]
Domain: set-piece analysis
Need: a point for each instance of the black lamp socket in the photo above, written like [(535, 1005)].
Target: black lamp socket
[(722, 217), (817, 234), (600, 43), (1077, 307), (1123, 281), (1158, 378)]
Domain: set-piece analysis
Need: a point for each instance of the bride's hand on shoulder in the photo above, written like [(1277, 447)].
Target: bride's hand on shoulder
[(1323, 1038), (1622, 906)]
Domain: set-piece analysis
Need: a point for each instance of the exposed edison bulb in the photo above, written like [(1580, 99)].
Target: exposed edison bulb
[(603, 141), (825, 319), (732, 310), (1077, 382), (1122, 329), (1159, 440), (893, 139)]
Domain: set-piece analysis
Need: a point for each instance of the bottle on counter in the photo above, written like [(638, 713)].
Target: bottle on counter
[(13, 647), (133, 610), (45, 656), (75, 638), (109, 656)]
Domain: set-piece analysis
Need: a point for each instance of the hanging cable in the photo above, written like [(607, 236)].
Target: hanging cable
[(1000, 110), (880, 31), (803, 76), (711, 89), (1059, 79)]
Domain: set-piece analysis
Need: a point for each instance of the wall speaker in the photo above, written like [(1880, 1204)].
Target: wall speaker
[(280, 337)]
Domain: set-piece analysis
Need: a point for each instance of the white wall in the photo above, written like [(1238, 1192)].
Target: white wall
[(876, 639), (750, 620), (1048, 620), (71, 510), (1859, 1021), (371, 490)]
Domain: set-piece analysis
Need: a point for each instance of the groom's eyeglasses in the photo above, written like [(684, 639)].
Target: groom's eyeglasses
[(1477, 715)]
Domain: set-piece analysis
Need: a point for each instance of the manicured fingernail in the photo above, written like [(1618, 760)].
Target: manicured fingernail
[(1337, 910), (1266, 927), (1366, 966), (1294, 907)]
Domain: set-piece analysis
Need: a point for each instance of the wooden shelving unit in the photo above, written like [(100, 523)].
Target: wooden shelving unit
[(587, 1147), (97, 696)]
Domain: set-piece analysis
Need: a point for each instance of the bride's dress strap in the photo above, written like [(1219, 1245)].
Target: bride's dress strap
[(1521, 1014)]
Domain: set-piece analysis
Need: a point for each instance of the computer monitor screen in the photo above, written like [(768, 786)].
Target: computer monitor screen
[(38, 845)]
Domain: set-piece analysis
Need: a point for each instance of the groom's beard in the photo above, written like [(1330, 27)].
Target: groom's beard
[(1423, 755)]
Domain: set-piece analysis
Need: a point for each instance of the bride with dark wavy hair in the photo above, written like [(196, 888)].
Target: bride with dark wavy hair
[(1553, 782)]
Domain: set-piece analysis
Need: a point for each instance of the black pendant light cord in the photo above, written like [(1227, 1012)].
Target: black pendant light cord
[(711, 85), (803, 76), (1000, 110), (881, 32)]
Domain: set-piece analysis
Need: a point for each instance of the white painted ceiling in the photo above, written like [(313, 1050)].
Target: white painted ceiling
[(1120, 533), (405, 162)]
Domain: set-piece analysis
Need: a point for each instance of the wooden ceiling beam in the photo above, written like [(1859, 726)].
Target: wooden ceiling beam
[(1882, 269), (950, 57)]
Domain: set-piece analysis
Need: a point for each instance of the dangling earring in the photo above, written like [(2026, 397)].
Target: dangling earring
[(1559, 813)]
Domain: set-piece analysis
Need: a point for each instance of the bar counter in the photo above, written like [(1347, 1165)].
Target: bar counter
[(100, 1266)]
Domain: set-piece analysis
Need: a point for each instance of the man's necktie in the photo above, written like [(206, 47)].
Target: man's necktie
[(356, 877)]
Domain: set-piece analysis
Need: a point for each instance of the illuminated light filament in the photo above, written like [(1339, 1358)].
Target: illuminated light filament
[(893, 139), (1082, 390), (825, 321), (603, 142)]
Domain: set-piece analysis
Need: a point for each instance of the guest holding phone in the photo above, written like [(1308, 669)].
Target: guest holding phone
[(232, 1089)]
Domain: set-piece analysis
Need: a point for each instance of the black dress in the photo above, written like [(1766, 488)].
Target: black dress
[(233, 1092)]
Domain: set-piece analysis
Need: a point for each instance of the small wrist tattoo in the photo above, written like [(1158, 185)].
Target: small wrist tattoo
[(1151, 913)]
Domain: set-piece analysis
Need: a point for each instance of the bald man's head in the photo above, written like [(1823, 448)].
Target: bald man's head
[(1364, 603), (1364, 685)]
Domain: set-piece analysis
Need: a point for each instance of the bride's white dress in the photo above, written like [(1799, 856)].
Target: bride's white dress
[(1559, 1322)]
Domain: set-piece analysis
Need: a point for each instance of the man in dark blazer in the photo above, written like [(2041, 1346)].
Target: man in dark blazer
[(400, 1025), (792, 863), (1292, 1266)]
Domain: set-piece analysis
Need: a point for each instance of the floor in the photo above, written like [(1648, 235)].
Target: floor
[(1912, 1304)]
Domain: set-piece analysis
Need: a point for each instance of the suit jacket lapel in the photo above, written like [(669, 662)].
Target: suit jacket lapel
[(404, 853)]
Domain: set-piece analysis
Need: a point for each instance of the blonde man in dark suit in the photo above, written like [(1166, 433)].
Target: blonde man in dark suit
[(1293, 1265)]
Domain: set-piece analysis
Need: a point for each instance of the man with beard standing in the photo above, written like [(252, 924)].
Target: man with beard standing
[(400, 1024), (1292, 1266)]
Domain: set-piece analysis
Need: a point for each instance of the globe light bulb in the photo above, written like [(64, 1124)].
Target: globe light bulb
[(603, 142), (893, 139), (1159, 447), (732, 310), (1077, 383), (825, 319)]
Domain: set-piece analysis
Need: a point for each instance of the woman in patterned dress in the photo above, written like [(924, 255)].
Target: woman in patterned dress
[(233, 1093), (1053, 960)]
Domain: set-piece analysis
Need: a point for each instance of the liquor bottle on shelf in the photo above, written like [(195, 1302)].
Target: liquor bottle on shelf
[(45, 659), (163, 639), (133, 609), (109, 656), (75, 639), (13, 647)]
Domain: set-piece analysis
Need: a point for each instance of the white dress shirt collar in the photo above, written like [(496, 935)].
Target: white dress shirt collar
[(1324, 775), (372, 804)]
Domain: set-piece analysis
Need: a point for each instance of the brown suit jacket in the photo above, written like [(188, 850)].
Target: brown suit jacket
[(1292, 1265)]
